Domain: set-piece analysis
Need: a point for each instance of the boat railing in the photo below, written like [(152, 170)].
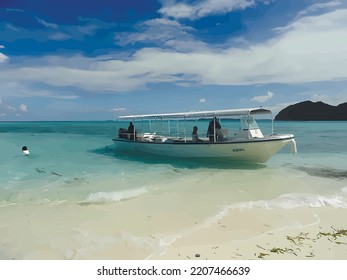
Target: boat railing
[(181, 130)]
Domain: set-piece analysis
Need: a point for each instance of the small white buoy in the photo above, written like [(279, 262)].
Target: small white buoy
[(25, 151)]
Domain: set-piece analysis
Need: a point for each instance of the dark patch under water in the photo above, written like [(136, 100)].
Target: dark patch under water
[(325, 172)]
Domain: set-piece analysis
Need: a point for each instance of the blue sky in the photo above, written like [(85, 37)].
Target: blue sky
[(95, 60)]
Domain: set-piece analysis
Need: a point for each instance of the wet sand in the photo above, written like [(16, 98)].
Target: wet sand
[(297, 234), (130, 231)]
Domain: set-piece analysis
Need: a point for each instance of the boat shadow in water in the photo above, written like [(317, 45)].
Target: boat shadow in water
[(217, 163)]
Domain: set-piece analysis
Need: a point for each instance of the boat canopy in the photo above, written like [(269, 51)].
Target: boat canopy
[(202, 114)]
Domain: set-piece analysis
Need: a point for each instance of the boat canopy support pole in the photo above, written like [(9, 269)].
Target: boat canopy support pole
[(185, 129), (214, 128), (134, 132), (248, 119)]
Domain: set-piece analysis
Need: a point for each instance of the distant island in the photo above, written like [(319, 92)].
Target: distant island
[(313, 111)]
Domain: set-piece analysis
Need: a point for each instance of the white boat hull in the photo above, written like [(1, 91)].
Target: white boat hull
[(252, 150)]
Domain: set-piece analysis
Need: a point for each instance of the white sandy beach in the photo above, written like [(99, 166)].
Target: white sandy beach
[(268, 234), (63, 231)]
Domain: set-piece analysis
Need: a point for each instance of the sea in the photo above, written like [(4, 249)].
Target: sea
[(76, 197)]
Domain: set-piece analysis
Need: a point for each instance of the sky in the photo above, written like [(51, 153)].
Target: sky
[(98, 59)]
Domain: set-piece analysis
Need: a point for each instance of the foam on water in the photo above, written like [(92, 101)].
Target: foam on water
[(285, 201), (108, 197), (293, 200)]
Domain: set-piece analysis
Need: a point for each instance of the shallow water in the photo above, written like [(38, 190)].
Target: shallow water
[(74, 181)]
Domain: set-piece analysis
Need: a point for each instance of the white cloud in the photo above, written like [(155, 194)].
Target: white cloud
[(165, 33), (59, 36), (66, 97), (336, 99), (47, 24), (263, 98), (12, 27), (118, 110), (26, 89), (6, 109), (3, 57), (10, 108), (202, 100), (88, 29), (320, 6), (14, 10), (52, 31), (23, 108), (310, 49), (199, 9)]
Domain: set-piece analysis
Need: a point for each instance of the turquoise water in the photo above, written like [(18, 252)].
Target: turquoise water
[(70, 160)]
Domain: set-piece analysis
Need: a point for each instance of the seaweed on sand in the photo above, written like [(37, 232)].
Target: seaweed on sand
[(303, 240)]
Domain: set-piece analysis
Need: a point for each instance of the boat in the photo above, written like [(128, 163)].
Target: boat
[(233, 135)]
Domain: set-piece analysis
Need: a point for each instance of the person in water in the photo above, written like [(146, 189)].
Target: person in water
[(25, 151)]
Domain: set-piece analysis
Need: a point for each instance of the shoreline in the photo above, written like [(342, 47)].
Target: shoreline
[(295, 234), (59, 232)]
